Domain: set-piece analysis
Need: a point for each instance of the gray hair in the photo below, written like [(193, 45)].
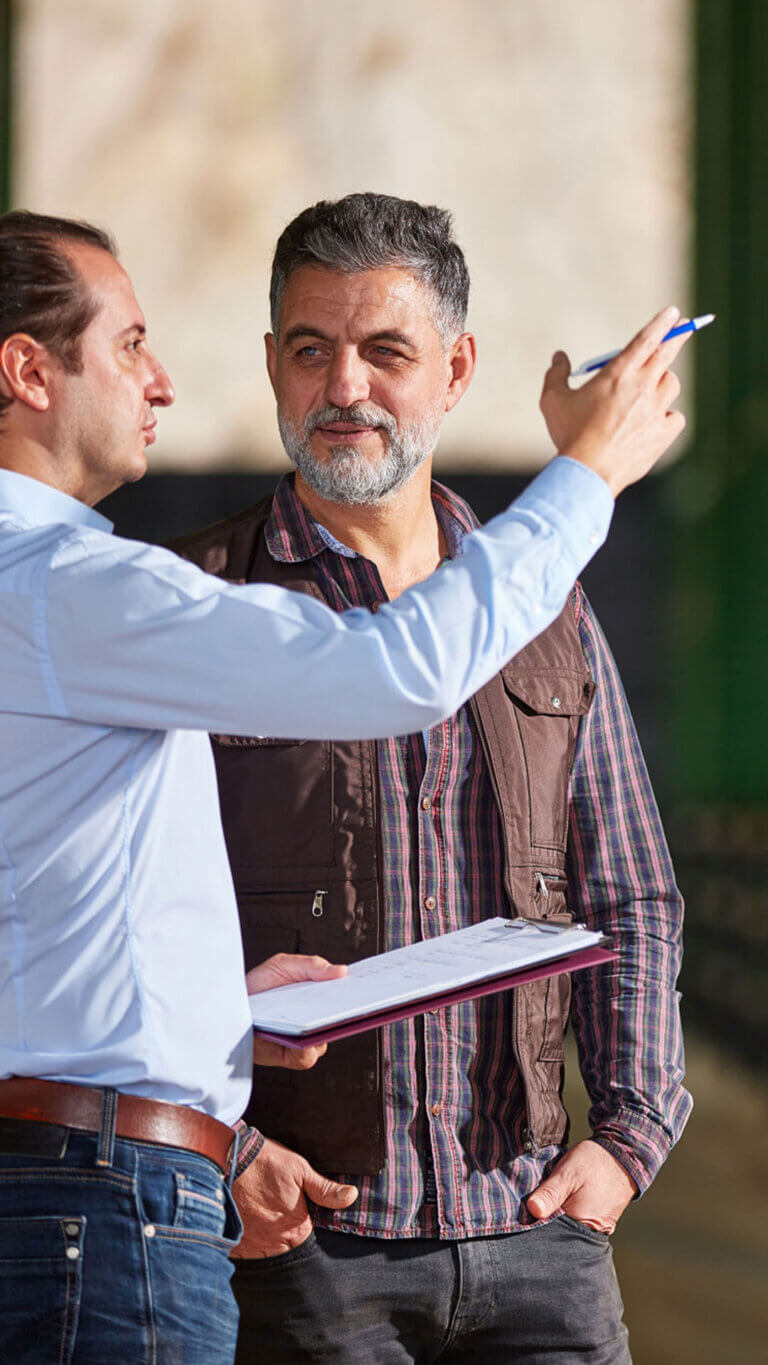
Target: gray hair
[(373, 232)]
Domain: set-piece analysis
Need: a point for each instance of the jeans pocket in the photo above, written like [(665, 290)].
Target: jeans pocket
[(41, 1266), (200, 1204), (257, 1264), (583, 1230), (184, 1197)]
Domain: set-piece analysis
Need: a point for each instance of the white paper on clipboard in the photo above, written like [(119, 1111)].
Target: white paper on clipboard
[(495, 947)]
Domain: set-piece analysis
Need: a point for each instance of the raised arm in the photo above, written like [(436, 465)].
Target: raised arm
[(135, 636), (121, 633)]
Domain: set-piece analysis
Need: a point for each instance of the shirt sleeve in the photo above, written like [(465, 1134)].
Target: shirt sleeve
[(249, 1144), (129, 634), (625, 1015)]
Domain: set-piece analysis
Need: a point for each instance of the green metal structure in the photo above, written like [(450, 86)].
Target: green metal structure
[(716, 506), (718, 498)]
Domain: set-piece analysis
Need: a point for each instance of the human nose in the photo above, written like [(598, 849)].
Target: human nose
[(160, 391), (347, 379)]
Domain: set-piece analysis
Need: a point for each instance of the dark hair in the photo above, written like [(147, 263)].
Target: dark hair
[(371, 231), (41, 291)]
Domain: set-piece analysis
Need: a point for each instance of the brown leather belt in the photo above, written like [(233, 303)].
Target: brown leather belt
[(77, 1106)]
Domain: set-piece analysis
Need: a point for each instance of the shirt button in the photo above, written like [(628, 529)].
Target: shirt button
[(430, 903), (435, 1109), (425, 803), (71, 1229), (594, 539), (149, 1230), (556, 702), (435, 1011), (375, 606), (73, 1253)]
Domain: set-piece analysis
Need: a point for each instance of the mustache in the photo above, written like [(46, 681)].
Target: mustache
[(358, 414)]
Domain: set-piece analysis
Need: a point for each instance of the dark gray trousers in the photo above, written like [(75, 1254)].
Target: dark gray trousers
[(548, 1296)]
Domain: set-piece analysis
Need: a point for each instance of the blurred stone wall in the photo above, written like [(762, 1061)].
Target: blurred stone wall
[(558, 134)]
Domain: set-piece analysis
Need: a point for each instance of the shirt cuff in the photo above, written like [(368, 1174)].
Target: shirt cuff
[(576, 500), (249, 1143), (637, 1143)]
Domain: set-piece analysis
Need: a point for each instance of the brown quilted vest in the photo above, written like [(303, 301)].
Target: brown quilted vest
[(301, 825)]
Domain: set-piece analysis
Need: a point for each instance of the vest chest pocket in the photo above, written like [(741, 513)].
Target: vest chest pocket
[(276, 798), (547, 707)]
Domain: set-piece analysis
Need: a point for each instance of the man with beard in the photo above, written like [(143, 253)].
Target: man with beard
[(476, 1234)]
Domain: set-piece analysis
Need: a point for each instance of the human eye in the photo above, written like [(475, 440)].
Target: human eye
[(381, 354), (309, 354)]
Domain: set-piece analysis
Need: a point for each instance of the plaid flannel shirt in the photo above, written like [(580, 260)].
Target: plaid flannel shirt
[(454, 1112)]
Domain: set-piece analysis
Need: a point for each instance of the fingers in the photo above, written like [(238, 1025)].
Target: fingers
[(329, 1194), (283, 968), (300, 967), (647, 340), (556, 378), (266, 1053), (666, 355), (668, 389), (303, 1058), (598, 1223), (675, 426)]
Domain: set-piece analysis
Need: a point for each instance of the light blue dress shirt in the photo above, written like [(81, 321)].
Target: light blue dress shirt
[(120, 954)]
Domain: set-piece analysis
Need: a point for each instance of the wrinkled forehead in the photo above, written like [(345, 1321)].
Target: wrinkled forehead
[(355, 305)]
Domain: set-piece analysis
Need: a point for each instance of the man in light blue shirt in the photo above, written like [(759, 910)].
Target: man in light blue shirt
[(124, 1021)]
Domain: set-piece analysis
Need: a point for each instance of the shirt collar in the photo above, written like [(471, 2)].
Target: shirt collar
[(293, 535), (41, 505)]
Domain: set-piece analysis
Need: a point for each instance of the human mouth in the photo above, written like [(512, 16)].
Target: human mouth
[(148, 432), (342, 433)]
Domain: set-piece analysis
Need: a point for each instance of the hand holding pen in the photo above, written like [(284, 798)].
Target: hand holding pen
[(622, 420), (692, 325)]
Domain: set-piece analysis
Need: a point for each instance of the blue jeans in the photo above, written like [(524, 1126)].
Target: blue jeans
[(547, 1296), (125, 1262)]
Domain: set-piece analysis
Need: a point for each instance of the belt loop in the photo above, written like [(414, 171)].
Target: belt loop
[(232, 1172), (105, 1153)]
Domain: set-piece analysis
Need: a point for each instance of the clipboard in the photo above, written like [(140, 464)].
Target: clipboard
[(595, 954)]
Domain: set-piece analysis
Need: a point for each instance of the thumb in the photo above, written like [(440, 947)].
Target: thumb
[(327, 1193), (550, 1195), (283, 968)]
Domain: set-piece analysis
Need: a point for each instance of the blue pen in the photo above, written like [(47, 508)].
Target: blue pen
[(693, 325)]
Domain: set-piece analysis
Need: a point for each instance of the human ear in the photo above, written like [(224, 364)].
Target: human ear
[(461, 360), (270, 346), (25, 371)]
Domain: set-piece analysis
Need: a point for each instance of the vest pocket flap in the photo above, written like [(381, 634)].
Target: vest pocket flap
[(275, 909), (550, 693)]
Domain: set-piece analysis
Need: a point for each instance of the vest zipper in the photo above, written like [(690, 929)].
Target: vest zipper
[(318, 903), (530, 1145)]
